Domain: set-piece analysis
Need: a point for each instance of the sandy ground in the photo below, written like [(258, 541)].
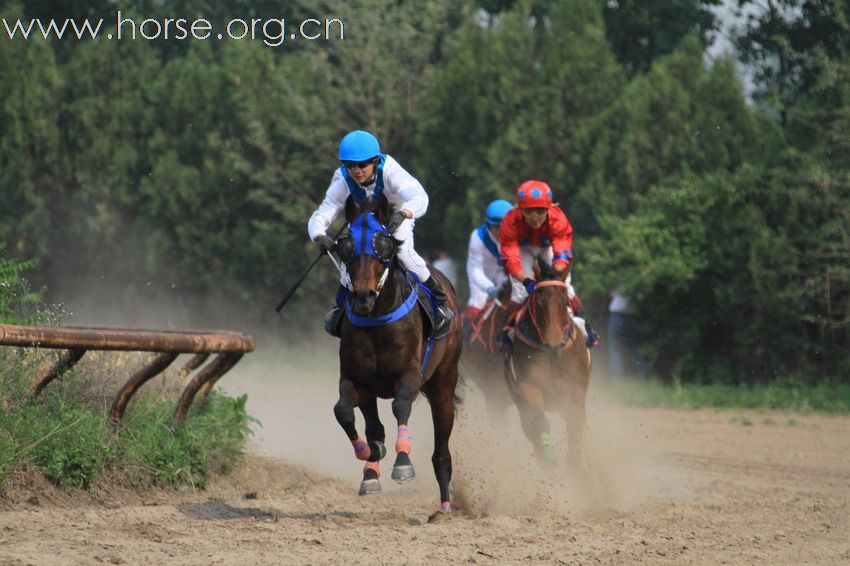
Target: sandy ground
[(661, 487)]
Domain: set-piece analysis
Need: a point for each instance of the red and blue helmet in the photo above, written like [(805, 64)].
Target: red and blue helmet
[(534, 194)]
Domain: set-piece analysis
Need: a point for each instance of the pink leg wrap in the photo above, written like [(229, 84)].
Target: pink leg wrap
[(402, 443), (446, 506), (372, 466), (361, 448)]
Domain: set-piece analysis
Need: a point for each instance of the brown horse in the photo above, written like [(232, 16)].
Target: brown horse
[(385, 352), (549, 365), (482, 361)]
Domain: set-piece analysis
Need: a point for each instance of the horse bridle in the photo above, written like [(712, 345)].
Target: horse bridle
[(381, 246), (568, 337)]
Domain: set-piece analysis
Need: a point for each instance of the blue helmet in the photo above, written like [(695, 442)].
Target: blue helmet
[(359, 146), (496, 210)]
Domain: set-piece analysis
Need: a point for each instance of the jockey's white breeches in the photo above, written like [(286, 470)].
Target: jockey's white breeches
[(526, 256)]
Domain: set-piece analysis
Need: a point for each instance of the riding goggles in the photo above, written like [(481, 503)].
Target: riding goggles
[(352, 165)]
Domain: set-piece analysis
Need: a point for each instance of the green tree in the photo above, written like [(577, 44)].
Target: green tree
[(786, 42), (640, 31), (514, 101), (32, 163)]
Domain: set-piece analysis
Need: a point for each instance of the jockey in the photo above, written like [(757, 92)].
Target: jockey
[(538, 227), (483, 270), (366, 172)]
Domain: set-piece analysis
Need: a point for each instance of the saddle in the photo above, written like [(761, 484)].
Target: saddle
[(428, 305), (424, 300)]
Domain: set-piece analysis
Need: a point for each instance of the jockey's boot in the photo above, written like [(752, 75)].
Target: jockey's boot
[(506, 342), (443, 314), (333, 320), (578, 310), (592, 336)]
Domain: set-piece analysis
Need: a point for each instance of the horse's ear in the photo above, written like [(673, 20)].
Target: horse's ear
[(351, 209), (562, 274), (536, 267)]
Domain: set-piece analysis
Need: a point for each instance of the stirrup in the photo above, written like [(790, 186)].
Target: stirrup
[(442, 316), (592, 336), (333, 322)]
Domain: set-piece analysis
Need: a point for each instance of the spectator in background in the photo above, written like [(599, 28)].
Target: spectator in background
[(624, 358), (447, 265)]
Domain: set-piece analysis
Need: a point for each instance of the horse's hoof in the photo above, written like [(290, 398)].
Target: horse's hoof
[(403, 468), (403, 473), (370, 487)]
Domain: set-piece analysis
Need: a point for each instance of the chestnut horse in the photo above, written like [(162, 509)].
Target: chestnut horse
[(482, 361), (549, 365), (385, 351)]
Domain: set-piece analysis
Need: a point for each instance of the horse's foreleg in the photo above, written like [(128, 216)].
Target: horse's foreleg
[(407, 390), (375, 433), (375, 449), (576, 414), (535, 424), (344, 413)]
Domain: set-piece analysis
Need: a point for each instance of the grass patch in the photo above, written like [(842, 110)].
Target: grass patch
[(211, 440), (786, 395), (68, 438), (65, 432)]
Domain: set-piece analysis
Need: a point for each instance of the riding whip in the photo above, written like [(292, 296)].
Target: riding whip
[(301, 279)]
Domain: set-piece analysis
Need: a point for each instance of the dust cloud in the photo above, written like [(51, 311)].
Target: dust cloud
[(291, 391)]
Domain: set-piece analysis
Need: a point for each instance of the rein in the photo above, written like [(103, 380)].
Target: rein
[(530, 308), (388, 318)]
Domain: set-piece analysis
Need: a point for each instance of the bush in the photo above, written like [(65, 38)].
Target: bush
[(65, 432)]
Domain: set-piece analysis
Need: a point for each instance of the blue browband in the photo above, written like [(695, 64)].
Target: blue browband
[(384, 319)]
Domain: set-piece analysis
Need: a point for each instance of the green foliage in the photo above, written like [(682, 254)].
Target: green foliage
[(514, 101), (195, 165), (782, 395), (210, 440), (70, 444), (786, 43), (73, 444), (640, 31), (17, 300)]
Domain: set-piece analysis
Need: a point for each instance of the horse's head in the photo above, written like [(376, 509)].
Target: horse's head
[(549, 304), (368, 251)]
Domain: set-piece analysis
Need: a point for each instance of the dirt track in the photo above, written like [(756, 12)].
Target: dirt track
[(664, 487)]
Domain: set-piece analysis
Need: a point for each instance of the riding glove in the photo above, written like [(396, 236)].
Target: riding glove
[(493, 293), (396, 218), (325, 243), (529, 285)]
